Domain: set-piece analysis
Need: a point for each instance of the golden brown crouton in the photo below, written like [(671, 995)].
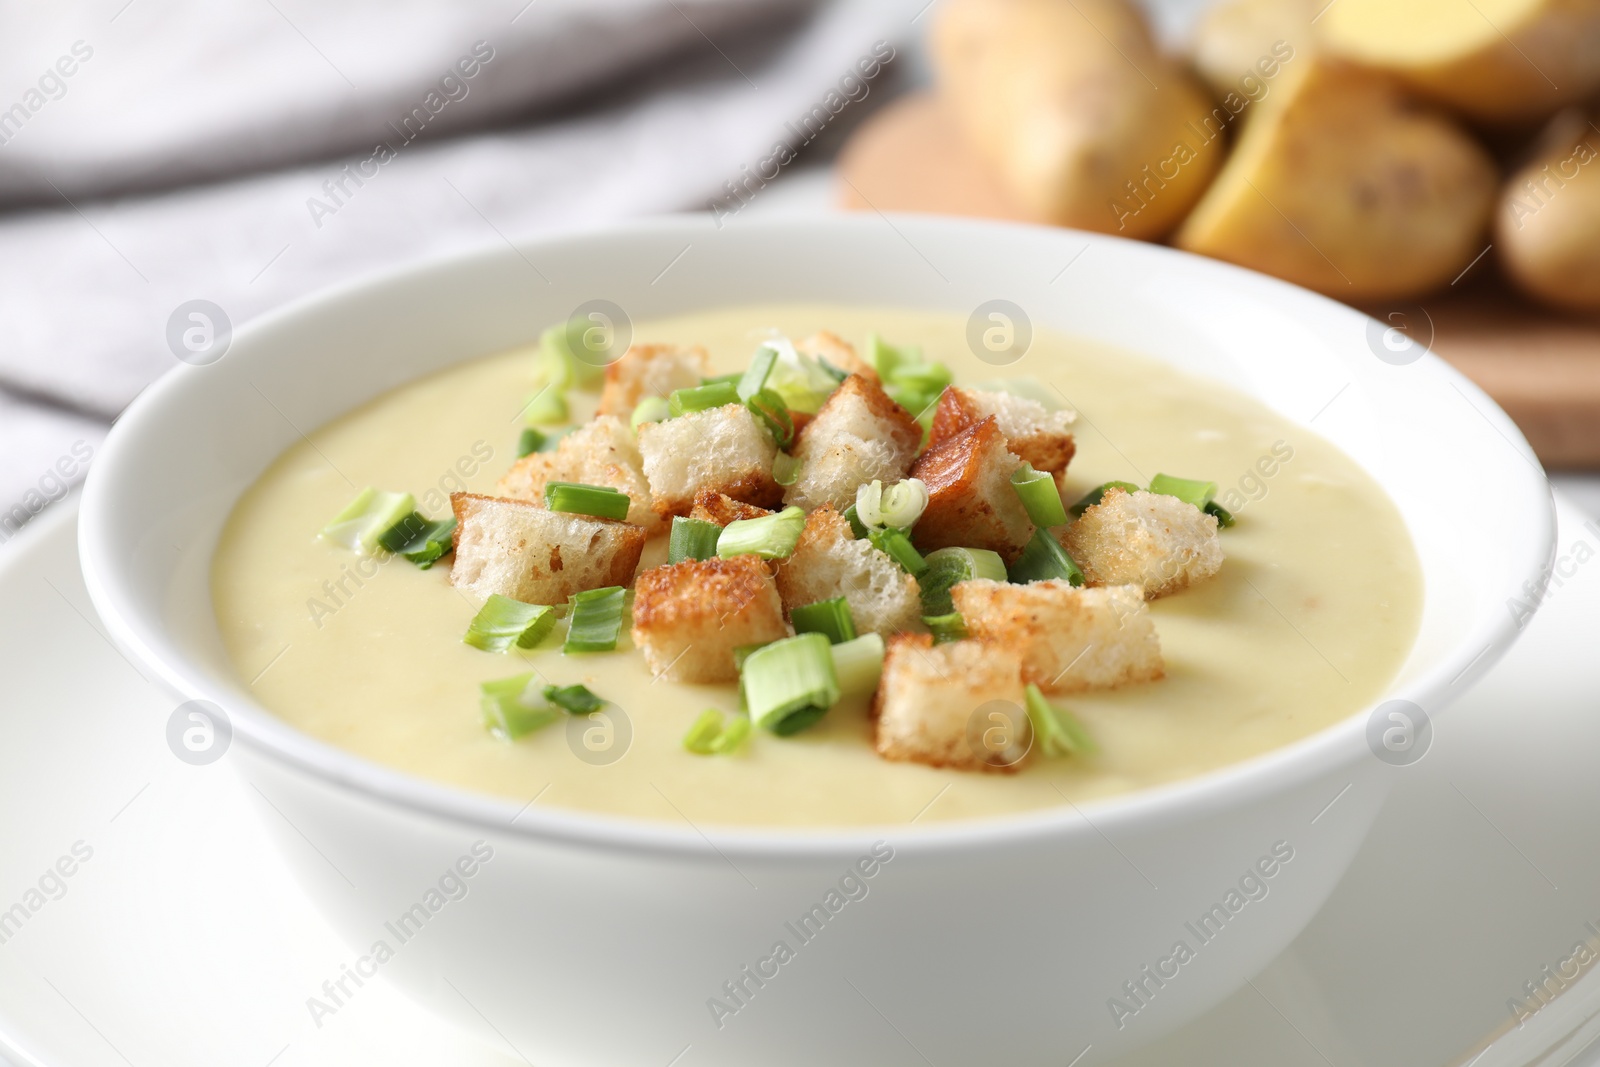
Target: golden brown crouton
[(1149, 539), (953, 705), (858, 436), (689, 617), (726, 449), (712, 506), (1070, 639), (650, 370), (601, 452), (829, 562), (971, 501), (837, 351), (1033, 433), (522, 551)]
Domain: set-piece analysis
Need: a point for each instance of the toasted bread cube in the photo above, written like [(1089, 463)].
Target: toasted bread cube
[(650, 370), (1070, 639), (837, 351), (601, 452), (712, 506), (1032, 431), (520, 550), (1149, 539), (726, 449), (971, 501), (953, 705), (689, 617), (858, 436), (829, 562)]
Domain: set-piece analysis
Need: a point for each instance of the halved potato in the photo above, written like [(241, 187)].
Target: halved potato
[(1338, 184), (1245, 39), (1548, 224)]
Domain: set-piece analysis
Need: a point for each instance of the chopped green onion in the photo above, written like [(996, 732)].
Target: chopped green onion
[(949, 566), (900, 505), (894, 543), (562, 365), (754, 380), (1095, 495), (858, 664), (769, 408), (838, 374), (951, 627), (790, 684), (692, 539), (702, 398), (529, 442), (419, 540), (1042, 560), (922, 377), (515, 706), (575, 498), (1056, 731), (857, 527), (799, 379), (650, 409), (367, 518), (546, 407), (742, 653), (1223, 516), (1039, 495), (574, 699), (768, 536), (596, 620), (1185, 489), (503, 622), (831, 618), (710, 736), (718, 379), (885, 358), (785, 469)]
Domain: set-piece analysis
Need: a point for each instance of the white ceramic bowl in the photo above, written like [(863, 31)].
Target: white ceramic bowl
[(589, 940)]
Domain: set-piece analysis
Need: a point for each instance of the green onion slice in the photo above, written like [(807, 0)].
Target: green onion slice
[(900, 504), (858, 664), (742, 653), (897, 546), (711, 736), (503, 622), (1223, 516), (367, 518), (529, 442), (768, 407), (702, 398), (857, 527), (1056, 731), (886, 358), (1040, 496), (754, 380), (692, 539), (574, 699), (1185, 489), (596, 620), (546, 407), (515, 706), (831, 618), (798, 378), (650, 409), (1095, 495), (418, 539), (717, 379), (562, 366), (950, 627), (785, 469), (576, 498), (1044, 559), (949, 566), (767, 536), (790, 684)]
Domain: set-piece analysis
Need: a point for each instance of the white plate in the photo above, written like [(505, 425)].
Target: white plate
[(182, 941)]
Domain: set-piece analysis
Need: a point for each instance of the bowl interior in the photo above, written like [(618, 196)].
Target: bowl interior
[(1468, 487)]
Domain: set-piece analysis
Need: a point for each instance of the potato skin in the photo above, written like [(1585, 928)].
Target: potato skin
[(1082, 119), (1547, 226), (1232, 38), (1340, 186)]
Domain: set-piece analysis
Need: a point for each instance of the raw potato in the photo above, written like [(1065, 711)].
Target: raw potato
[(1496, 61), (1548, 224), (1081, 118), (1339, 185), (1233, 39)]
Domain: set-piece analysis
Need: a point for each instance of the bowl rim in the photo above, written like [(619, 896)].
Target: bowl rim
[(1325, 752)]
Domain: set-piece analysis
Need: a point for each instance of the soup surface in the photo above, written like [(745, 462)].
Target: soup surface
[(1313, 611)]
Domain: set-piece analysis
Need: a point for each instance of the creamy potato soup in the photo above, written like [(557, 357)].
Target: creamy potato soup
[(1312, 612)]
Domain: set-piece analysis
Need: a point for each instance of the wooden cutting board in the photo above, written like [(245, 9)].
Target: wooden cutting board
[(1543, 368)]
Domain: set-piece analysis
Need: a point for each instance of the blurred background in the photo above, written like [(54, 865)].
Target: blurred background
[(169, 170)]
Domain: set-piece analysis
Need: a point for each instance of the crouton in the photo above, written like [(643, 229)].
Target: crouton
[(1033, 433), (650, 370), (837, 351), (1149, 539), (858, 435), (1070, 639), (712, 506), (829, 562), (601, 452), (953, 705), (971, 501), (520, 550), (725, 449), (689, 617)]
